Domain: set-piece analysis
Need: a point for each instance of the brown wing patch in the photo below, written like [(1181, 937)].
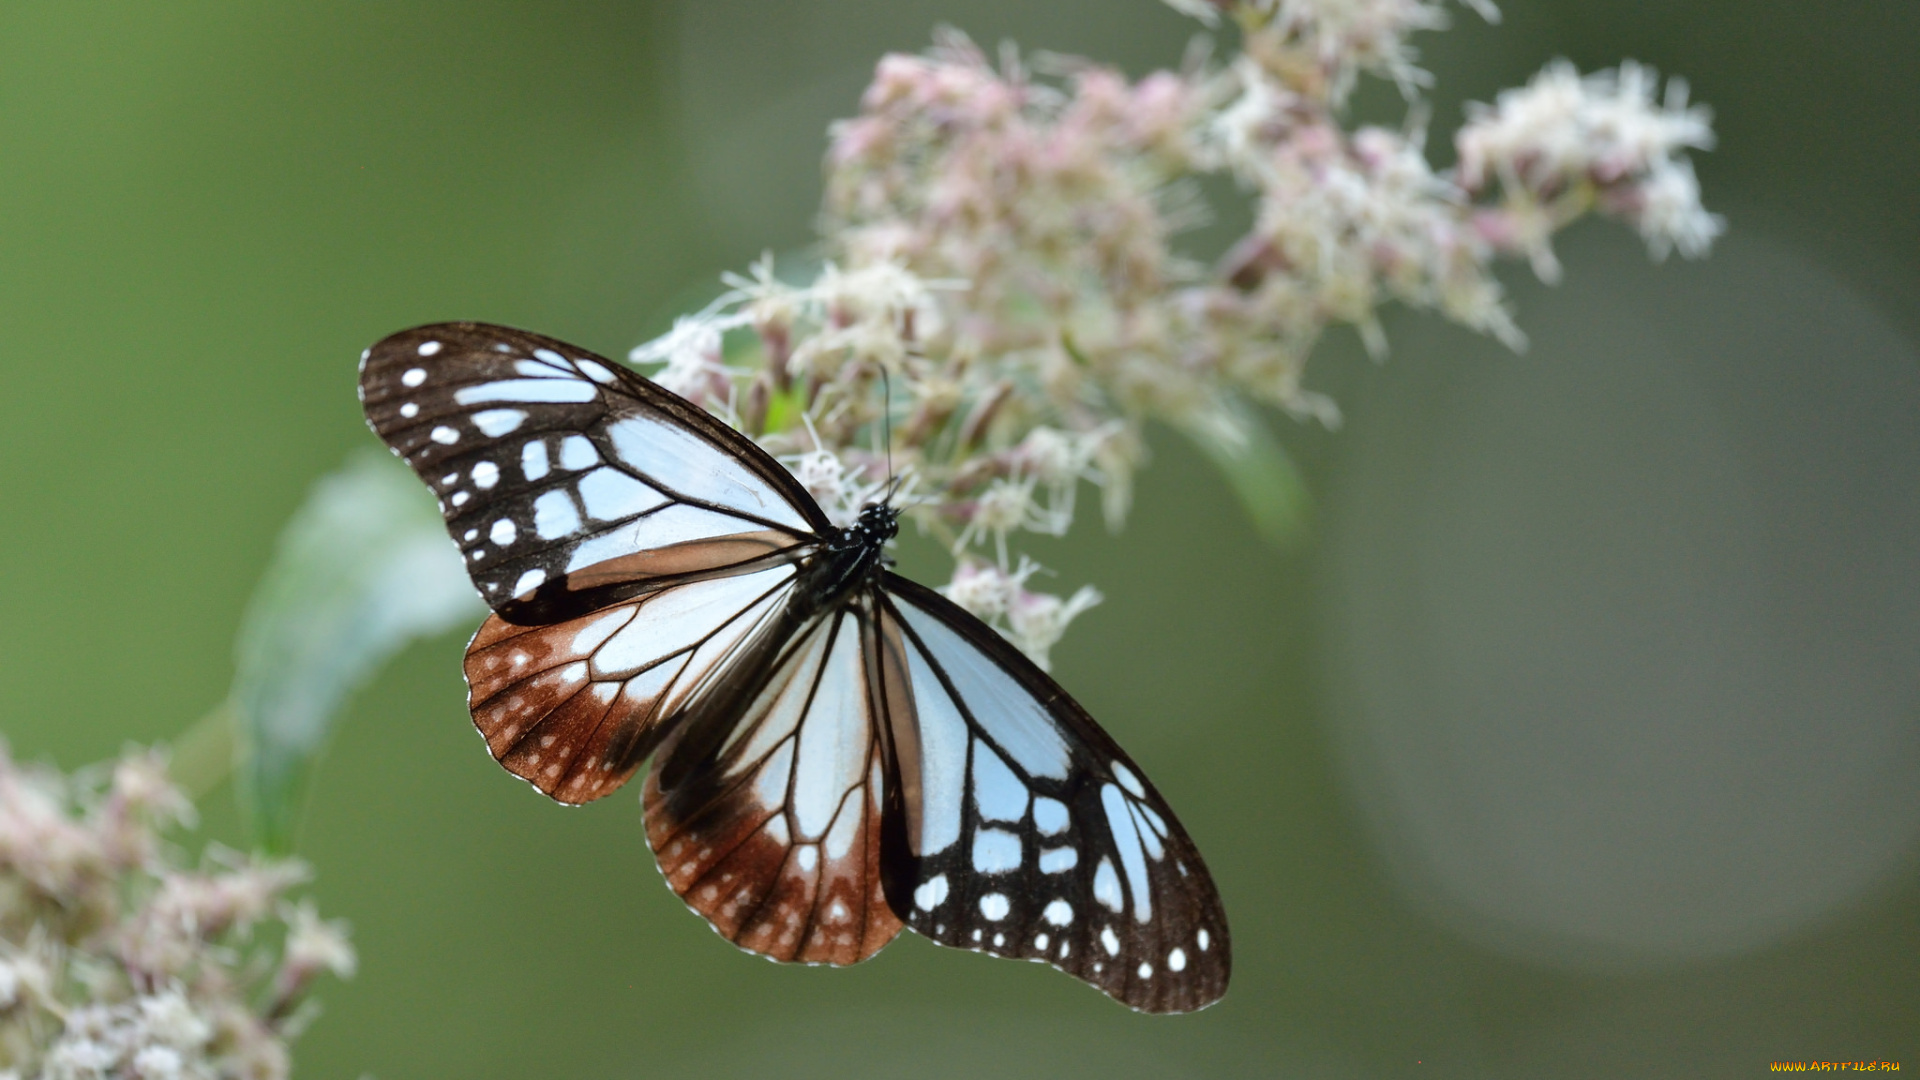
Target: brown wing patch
[(732, 554), (545, 718), (574, 707), (777, 843)]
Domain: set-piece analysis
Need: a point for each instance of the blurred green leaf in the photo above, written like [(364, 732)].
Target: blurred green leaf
[(1263, 476), (362, 570)]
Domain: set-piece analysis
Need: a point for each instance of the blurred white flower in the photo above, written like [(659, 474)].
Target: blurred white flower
[(1033, 621), (1003, 309), (1039, 620), (1669, 214), (691, 354), (315, 944), (137, 967), (1565, 143)]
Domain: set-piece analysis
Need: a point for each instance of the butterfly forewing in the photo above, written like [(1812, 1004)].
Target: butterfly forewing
[(774, 835), (569, 482), (1035, 836)]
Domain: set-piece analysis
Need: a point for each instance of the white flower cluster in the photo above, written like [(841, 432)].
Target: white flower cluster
[(1033, 621), (1004, 309), (117, 962), (1564, 143)]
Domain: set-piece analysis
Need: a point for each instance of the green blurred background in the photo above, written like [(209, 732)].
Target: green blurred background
[(1582, 740)]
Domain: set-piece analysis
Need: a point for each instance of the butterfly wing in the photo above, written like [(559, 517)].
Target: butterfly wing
[(1026, 831), (765, 810), (569, 482), (628, 542), (574, 707)]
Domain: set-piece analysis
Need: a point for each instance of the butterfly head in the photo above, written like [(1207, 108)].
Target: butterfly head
[(879, 523)]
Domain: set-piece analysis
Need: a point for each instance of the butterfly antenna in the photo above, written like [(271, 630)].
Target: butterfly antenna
[(886, 419)]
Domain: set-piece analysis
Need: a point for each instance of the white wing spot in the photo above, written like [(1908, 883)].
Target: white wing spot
[(485, 475), (1177, 960), (502, 533), (931, 894), (596, 372), (1146, 970), (1128, 780), (529, 581), (539, 370), (976, 935), (409, 410), (460, 498), (414, 376), (450, 478), (995, 906), (1040, 942), (444, 435), (996, 790), (1110, 941), (999, 941), (526, 390), (533, 460), (609, 494), (808, 857), (1059, 913), (471, 535), (494, 423), (554, 515), (1064, 946), (1204, 939), (428, 348), (1149, 839), (577, 453), (1054, 861), (1158, 823), (1106, 886), (995, 852), (1126, 838), (1049, 815)]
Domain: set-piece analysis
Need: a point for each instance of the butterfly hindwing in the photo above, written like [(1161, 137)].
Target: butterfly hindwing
[(774, 834), (574, 707), (1034, 836), (569, 482)]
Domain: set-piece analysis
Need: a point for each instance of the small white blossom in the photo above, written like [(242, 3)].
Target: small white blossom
[(314, 944), (1565, 142), (1670, 215), (169, 1018), (159, 1063), (1033, 621), (1039, 620), (986, 590), (691, 354)]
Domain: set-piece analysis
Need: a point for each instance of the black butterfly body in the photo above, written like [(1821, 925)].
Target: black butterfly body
[(837, 750)]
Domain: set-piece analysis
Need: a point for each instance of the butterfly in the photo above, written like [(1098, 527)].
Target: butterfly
[(837, 750)]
